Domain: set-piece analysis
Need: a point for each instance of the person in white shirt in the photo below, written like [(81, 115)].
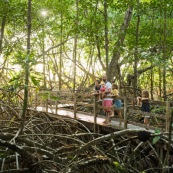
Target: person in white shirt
[(107, 101)]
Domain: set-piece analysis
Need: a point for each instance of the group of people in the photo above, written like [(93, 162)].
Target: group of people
[(108, 94)]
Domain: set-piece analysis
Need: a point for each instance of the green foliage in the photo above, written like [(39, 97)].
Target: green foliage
[(156, 138), (3, 155), (158, 109), (35, 80), (15, 82), (119, 167), (44, 96), (65, 20), (143, 1)]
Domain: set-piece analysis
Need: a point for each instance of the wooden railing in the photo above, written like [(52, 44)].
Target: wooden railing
[(53, 99)]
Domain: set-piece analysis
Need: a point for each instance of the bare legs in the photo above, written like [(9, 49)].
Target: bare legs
[(110, 114), (120, 117), (119, 114), (108, 120)]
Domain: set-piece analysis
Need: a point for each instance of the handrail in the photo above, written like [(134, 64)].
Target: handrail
[(46, 98)]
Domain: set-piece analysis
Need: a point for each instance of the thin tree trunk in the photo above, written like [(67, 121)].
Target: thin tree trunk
[(152, 83), (151, 71), (74, 62), (60, 58), (50, 86), (3, 23), (87, 73), (106, 34), (25, 103), (164, 55), (160, 82), (99, 53), (75, 50), (44, 60), (135, 83), (2, 32), (98, 41)]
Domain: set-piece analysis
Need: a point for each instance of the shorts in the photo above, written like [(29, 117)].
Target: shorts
[(117, 103), (107, 105), (145, 107)]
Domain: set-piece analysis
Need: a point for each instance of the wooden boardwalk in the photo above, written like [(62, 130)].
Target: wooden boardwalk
[(89, 118), (54, 102)]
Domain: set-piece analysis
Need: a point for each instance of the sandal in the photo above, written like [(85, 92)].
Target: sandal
[(111, 115), (107, 122)]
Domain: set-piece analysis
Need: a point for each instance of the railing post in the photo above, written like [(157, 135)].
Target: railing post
[(125, 113), (168, 115), (75, 104), (95, 113)]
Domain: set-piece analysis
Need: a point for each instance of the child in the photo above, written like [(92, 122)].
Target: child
[(117, 103), (102, 91), (97, 86), (145, 105), (97, 89)]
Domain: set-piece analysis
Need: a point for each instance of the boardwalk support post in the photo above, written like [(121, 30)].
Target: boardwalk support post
[(168, 115), (125, 113), (95, 112), (47, 100), (56, 107), (75, 104)]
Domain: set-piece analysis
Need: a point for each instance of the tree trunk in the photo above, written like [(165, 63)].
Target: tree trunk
[(44, 60), (60, 58), (75, 49), (114, 67), (3, 23), (160, 82), (2, 32), (135, 83), (99, 53), (97, 39), (25, 104), (164, 56), (106, 33), (152, 83), (5, 11)]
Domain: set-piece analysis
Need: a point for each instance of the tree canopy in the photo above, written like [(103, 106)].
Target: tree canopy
[(73, 42)]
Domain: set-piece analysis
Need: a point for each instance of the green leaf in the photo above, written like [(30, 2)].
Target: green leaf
[(157, 138), (143, 1), (157, 131), (116, 164), (35, 80)]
